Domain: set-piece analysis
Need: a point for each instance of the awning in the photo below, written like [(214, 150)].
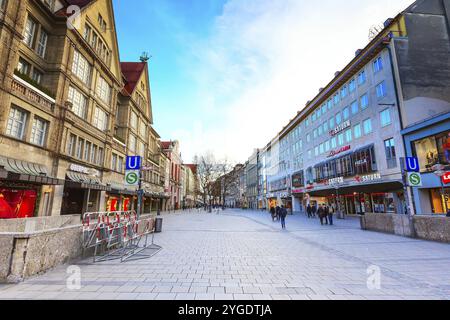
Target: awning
[(84, 181), (18, 170), (121, 189), (372, 187)]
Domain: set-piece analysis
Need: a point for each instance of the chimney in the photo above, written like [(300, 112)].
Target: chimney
[(337, 73), (358, 52), (321, 89)]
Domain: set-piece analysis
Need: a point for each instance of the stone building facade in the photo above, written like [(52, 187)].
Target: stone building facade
[(66, 111)]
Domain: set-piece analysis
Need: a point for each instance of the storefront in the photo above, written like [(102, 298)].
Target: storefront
[(430, 143), (25, 189), (353, 185), (82, 191)]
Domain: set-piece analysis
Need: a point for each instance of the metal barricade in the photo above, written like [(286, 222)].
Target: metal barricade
[(118, 235)]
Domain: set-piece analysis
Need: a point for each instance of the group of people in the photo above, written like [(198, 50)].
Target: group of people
[(279, 214), (323, 211)]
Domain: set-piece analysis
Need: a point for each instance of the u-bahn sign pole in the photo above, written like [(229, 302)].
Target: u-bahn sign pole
[(133, 177)]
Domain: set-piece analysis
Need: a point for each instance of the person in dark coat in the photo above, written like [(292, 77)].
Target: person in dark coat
[(309, 210), (322, 214), (277, 212), (314, 210), (272, 212), (283, 215)]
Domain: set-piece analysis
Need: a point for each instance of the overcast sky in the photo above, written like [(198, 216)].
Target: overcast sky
[(226, 76)]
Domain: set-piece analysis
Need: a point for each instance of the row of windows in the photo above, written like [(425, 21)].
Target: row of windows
[(356, 163), (97, 44), (79, 107), (35, 37), (18, 121), (347, 136), (350, 88), (85, 150), (26, 68)]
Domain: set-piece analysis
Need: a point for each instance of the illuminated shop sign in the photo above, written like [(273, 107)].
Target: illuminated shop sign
[(369, 178), (446, 178), (338, 151), (340, 128), (84, 170), (339, 180)]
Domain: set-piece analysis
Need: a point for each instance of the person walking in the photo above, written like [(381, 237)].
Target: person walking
[(272, 212), (321, 213), (309, 211), (277, 212), (314, 210), (330, 210), (283, 215)]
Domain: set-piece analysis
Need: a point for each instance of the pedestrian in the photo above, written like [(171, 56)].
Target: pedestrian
[(314, 210), (283, 215), (321, 213), (448, 213), (309, 211), (272, 212), (330, 210), (277, 212)]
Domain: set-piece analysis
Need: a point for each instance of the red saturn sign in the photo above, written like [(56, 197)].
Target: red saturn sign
[(335, 152), (446, 178)]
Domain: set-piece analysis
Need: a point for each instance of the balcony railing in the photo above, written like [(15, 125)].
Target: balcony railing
[(32, 94)]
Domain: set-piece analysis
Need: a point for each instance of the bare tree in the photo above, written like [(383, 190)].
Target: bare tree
[(207, 170), (213, 180)]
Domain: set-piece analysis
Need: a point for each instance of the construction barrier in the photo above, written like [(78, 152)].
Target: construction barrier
[(118, 235)]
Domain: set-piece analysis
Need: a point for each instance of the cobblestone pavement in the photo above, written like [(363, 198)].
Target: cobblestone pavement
[(243, 255)]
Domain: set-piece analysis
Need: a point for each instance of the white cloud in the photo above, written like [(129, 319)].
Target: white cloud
[(265, 59)]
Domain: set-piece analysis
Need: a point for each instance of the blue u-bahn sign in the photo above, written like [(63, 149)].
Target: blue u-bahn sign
[(412, 164), (133, 163)]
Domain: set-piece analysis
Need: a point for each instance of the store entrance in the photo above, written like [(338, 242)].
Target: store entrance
[(72, 201)]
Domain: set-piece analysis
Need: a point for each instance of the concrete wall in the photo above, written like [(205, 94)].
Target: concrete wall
[(26, 253), (422, 227), (38, 223)]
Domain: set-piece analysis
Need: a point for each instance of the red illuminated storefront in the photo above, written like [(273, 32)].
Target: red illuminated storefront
[(17, 203), (21, 189)]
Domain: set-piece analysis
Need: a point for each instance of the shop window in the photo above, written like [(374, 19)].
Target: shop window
[(433, 150), (16, 203), (365, 161)]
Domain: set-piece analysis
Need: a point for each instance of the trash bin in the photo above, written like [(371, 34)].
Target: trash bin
[(158, 225)]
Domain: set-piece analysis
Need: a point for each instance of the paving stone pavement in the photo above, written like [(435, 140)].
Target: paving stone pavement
[(243, 255)]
